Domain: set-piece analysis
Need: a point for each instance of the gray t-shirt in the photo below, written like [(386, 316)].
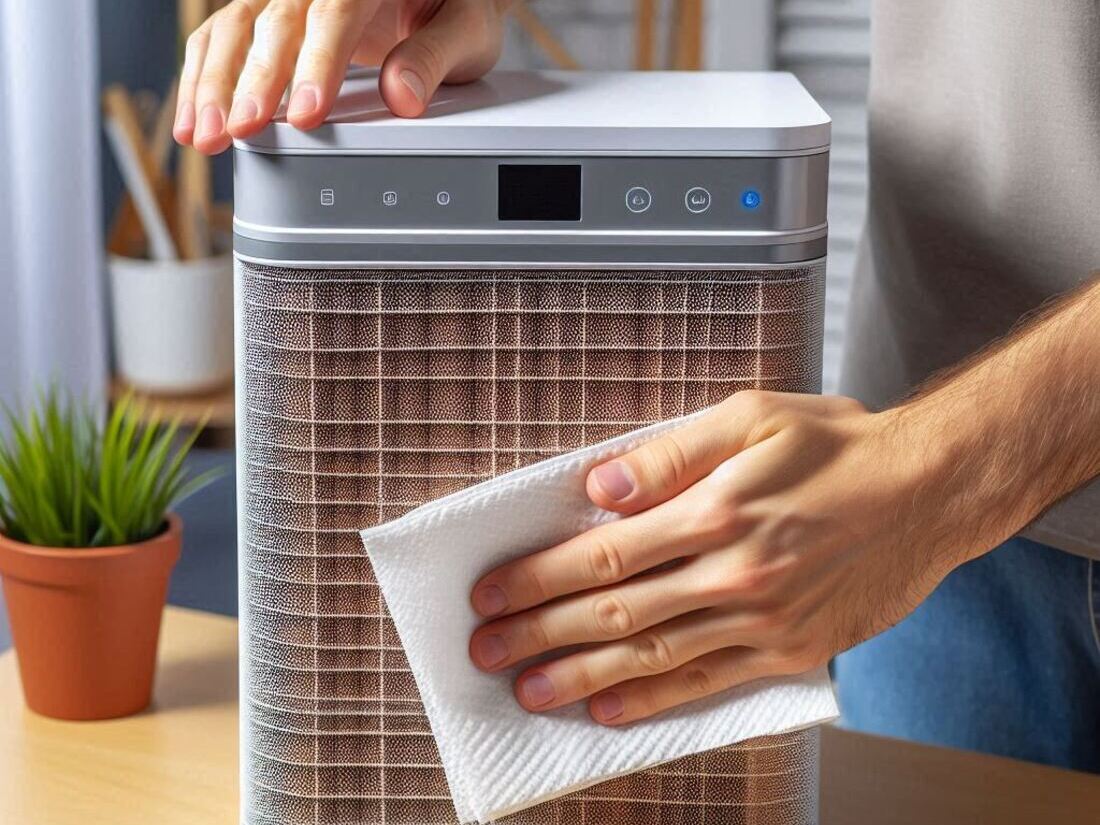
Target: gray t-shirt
[(984, 193)]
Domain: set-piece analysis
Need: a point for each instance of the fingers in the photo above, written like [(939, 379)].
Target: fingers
[(267, 70), (671, 463), (704, 676), (602, 556), (458, 44), (194, 54), (596, 616), (333, 29), (655, 651), (228, 33)]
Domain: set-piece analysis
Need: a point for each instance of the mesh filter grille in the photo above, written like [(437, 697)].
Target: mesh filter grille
[(367, 393)]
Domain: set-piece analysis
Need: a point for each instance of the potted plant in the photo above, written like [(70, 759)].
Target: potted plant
[(87, 544)]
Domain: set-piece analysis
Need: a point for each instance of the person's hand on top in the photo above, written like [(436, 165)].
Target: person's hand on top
[(240, 62)]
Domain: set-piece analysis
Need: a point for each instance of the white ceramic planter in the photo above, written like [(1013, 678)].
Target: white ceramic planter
[(173, 322)]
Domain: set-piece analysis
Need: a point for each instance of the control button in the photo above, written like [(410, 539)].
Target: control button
[(750, 199), (328, 197), (443, 198), (697, 200), (389, 198), (638, 199)]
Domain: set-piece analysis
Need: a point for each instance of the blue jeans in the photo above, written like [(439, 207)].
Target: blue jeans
[(1003, 657)]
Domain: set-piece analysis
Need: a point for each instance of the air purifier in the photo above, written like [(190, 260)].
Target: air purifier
[(540, 262)]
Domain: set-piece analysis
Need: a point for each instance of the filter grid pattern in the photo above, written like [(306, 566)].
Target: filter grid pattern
[(367, 393)]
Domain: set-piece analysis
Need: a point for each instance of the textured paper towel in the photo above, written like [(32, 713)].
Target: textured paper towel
[(498, 757)]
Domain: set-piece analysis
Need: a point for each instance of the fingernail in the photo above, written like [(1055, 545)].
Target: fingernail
[(415, 84), (210, 121), (615, 479), (538, 690), (185, 117), (607, 706), (303, 101), (490, 600), (490, 650), (244, 110)]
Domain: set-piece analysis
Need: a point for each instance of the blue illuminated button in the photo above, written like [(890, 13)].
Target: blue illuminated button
[(750, 199)]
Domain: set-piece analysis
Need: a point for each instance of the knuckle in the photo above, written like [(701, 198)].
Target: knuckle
[(787, 530), (698, 681), (257, 73), (196, 42), (429, 53), (527, 583), (740, 583), (530, 581), (583, 682), (667, 460), (278, 18), (318, 59), (754, 403), (538, 634), (214, 77), (605, 562), (653, 653), (236, 15), (320, 9), (612, 616), (720, 514), (763, 411)]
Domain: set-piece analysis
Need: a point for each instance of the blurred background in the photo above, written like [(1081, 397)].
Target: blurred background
[(68, 316)]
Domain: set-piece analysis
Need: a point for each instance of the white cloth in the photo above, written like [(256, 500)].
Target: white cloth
[(498, 757)]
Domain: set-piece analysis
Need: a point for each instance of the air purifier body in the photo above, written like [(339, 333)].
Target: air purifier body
[(541, 262)]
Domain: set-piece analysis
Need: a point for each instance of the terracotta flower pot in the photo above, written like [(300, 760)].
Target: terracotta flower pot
[(86, 622)]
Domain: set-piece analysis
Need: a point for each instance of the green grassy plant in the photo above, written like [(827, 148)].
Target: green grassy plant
[(68, 479)]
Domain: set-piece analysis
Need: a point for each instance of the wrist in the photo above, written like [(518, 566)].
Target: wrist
[(968, 476)]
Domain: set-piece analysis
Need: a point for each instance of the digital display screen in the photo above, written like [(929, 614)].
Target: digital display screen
[(528, 192)]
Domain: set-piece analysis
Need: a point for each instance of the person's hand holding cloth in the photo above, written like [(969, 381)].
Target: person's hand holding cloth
[(778, 530)]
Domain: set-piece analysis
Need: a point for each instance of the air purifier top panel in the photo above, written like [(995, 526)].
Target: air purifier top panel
[(621, 113), (536, 168)]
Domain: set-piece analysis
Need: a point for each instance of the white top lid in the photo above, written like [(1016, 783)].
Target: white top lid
[(683, 113)]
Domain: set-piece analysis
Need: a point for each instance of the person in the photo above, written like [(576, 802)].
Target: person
[(804, 526)]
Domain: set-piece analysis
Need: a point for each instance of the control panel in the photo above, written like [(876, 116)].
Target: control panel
[(369, 192)]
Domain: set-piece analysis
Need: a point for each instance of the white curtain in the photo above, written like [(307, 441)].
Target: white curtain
[(52, 326)]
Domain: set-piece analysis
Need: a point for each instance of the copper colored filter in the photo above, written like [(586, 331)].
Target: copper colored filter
[(367, 393)]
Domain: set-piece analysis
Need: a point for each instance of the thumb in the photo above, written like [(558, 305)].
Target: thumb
[(666, 466), (460, 43)]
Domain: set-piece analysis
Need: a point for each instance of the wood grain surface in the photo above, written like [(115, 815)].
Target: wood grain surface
[(176, 764)]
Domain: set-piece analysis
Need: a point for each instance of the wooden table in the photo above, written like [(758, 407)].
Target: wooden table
[(177, 764)]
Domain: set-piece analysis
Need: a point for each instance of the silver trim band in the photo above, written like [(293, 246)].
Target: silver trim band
[(580, 265), (560, 153), (431, 235)]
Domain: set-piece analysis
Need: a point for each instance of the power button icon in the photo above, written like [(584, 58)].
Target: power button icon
[(638, 199)]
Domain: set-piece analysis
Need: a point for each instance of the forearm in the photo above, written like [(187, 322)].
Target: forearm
[(1015, 428)]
